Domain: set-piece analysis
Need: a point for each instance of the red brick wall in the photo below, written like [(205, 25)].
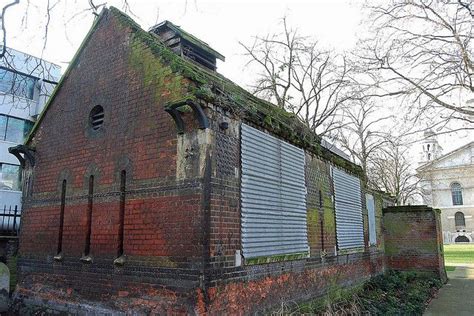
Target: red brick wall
[(267, 286), (163, 215), (413, 240)]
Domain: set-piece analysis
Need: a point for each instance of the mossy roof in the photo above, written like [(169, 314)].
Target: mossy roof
[(214, 88)]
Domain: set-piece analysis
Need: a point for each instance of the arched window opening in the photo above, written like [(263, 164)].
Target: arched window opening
[(461, 239), (459, 220), (428, 146), (123, 178), (456, 193), (90, 198), (61, 218)]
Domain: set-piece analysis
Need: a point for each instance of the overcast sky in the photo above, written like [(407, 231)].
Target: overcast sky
[(222, 24)]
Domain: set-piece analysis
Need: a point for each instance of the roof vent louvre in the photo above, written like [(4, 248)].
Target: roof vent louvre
[(186, 45), (96, 117)]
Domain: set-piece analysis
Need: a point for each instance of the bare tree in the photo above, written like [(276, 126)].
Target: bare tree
[(362, 135), (422, 51), (390, 170), (2, 23), (50, 12), (299, 76)]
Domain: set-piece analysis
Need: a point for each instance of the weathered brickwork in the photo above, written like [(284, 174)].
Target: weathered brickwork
[(151, 217), (321, 217), (163, 218), (263, 287), (224, 193), (413, 239)]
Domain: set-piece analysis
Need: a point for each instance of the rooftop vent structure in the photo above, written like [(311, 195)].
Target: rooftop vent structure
[(186, 45)]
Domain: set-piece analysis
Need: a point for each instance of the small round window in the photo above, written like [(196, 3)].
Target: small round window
[(96, 117)]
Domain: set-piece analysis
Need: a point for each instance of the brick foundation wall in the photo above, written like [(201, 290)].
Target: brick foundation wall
[(413, 239), (256, 288)]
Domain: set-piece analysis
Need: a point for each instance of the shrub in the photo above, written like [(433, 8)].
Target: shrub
[(393, 293)]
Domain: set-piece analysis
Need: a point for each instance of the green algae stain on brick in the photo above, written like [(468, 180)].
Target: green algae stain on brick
[(313, 224), (328, 211), (167, 85)]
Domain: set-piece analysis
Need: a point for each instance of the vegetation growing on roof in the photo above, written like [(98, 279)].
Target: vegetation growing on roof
[(216, 89), (169, 87), (210, 87), (193, 39)]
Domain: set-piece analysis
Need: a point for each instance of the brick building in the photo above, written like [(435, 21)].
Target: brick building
[(156, 185)]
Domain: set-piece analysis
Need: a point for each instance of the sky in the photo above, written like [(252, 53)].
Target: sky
[(222, 24), (336, 24)]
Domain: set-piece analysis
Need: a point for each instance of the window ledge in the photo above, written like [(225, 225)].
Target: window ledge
[(58, 257), (10, 142), (120, 261), (18, 97), (10, 191), (86, 259), (454, 206)]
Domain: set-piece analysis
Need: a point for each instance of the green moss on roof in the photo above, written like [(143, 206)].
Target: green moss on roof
[(214, 88)]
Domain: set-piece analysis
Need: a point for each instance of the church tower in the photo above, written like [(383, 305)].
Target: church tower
[(430, 149)]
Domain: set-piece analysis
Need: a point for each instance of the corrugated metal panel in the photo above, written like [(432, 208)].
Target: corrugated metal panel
[(369, 200), (273, 194), (348, 204)]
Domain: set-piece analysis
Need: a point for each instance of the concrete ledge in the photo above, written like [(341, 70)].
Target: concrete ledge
[(409, 208)]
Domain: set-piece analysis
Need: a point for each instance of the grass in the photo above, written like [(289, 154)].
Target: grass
[(450, 268), (13, 275), (459, 253)]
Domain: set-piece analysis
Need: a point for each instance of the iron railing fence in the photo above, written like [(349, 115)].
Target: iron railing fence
[(10, 219)]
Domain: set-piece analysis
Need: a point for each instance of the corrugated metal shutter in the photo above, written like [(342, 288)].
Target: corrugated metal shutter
[(273, 194), (348, 204), (369, 199)]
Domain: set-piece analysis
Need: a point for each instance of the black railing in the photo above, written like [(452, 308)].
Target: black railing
[(10, 220)]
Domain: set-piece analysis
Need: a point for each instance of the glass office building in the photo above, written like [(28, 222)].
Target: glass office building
[(26, 82)]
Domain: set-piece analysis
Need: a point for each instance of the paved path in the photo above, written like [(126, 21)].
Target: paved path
[(457, 296)]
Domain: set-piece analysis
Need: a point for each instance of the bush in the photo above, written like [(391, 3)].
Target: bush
[(393, 293), (398, 293)]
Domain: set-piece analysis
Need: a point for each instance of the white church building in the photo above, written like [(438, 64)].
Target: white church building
[(447, 183)]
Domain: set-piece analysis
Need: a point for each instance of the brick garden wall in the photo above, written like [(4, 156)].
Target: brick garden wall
[(413, 239)]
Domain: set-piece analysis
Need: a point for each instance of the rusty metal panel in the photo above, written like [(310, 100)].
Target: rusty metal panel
[(348, 205), (273, 193)]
